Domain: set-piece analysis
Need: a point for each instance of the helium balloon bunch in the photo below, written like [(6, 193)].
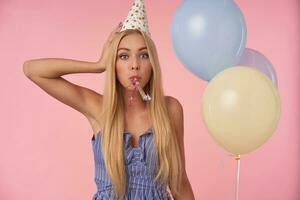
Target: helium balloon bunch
[(241, 104)]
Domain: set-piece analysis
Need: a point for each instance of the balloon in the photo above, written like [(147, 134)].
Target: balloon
[(241, 109), (253, 58), (208, 35)]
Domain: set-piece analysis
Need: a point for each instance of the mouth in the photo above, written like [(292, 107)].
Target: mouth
[(135, 80)]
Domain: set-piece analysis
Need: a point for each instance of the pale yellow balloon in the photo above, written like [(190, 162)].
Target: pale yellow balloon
[(241, 109)]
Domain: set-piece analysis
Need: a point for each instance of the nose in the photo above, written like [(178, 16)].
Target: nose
[(135, 65)]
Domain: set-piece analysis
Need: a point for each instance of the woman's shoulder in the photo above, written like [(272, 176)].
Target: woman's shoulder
[(173, 104), (175, 110)]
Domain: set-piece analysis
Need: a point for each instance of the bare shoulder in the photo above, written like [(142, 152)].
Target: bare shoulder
[(176, 112), (174, 106)]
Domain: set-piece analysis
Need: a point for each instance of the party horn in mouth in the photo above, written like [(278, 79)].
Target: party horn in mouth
[(136, 83), (145, 97)]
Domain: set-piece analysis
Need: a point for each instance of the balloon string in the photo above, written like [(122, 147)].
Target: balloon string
[(237, 158)]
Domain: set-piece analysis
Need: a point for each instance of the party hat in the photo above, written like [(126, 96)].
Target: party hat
[(136, 18)]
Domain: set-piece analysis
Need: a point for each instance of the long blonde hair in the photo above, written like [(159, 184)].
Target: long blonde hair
[(113, 121)]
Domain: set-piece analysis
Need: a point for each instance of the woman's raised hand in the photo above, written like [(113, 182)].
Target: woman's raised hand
[(101, 63)]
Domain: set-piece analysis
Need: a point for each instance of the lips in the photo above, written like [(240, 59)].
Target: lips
[(135, 80), (135, 77)]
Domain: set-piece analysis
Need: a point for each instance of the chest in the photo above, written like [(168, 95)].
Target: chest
[(137, 125)]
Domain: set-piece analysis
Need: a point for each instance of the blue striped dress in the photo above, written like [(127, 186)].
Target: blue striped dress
[(141, 167)]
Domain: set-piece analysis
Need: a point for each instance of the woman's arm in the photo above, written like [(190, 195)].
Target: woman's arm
[(47, 72), (186, 192), (56, 67)]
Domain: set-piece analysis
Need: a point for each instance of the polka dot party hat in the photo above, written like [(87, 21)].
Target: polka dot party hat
[(136, 18)]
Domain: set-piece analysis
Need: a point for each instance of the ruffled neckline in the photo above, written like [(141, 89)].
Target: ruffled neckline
[(133, 154), (127, 134)]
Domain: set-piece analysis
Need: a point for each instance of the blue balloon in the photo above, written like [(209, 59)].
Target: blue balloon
[(208, 35)]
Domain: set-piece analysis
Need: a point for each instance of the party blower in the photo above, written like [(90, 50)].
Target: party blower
[(145, 97)]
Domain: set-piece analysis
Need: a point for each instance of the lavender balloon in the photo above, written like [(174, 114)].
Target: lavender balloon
[(255, 59)]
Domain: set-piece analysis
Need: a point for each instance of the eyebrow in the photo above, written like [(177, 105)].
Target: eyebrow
[(129, 49)]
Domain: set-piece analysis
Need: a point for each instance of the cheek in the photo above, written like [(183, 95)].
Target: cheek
[(147, 73), (121, 66), (121, 74), (149, 70)]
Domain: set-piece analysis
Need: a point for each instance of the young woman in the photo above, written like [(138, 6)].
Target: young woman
[(138, 145)]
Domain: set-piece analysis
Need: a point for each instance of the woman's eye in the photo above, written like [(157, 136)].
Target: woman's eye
[(146, 55), (121, 56)]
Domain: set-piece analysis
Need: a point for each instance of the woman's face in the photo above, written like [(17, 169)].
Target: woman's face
[(133, 60)]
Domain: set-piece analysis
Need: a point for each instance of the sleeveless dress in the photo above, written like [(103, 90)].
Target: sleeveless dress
[(141, 167)]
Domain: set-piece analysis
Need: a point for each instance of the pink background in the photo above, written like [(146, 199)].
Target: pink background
[(45, 147)]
